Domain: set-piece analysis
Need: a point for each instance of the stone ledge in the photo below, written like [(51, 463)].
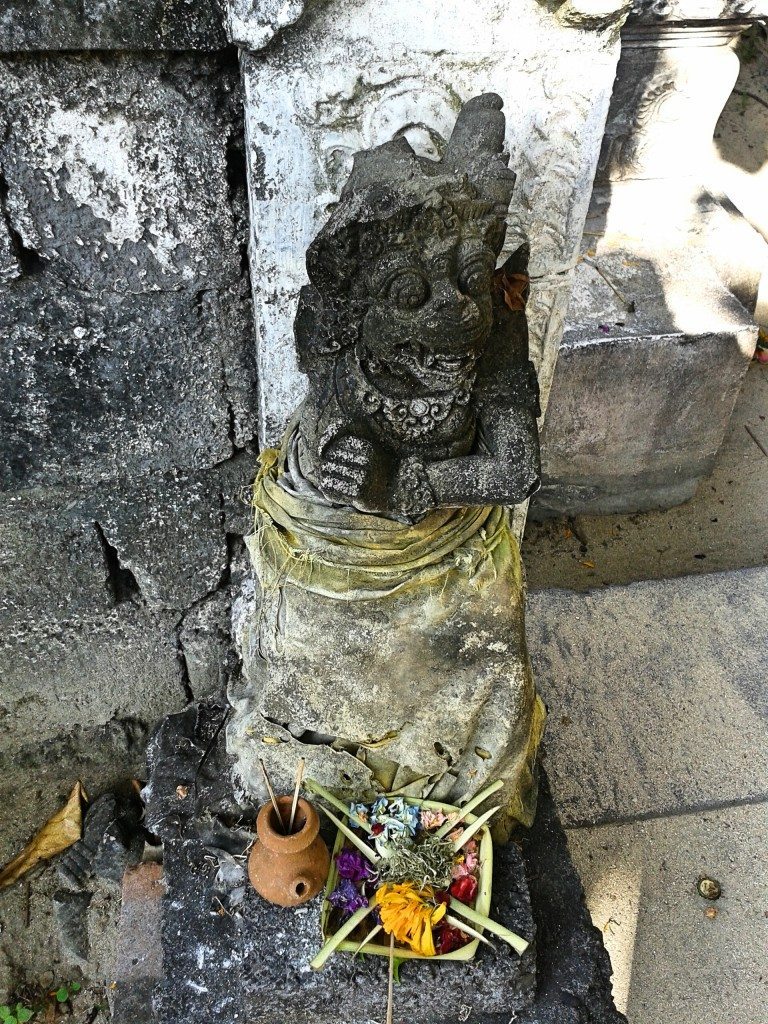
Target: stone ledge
[(653, 355), (659, 12)]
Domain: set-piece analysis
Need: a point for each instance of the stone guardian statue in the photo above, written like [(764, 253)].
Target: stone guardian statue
[(384, 641)]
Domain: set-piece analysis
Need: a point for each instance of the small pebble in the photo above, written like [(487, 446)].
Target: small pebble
[(709, 888), (711, 913)]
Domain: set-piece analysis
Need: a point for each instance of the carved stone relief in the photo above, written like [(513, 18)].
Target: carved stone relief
[(591, 13), (253, 24), (666, 102)]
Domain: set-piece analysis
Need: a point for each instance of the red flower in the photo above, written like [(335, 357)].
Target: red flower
[(376, 830), (448, 938), (464, 889)]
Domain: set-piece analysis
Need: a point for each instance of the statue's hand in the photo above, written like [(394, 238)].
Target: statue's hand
[(347, 471), (411, 494)]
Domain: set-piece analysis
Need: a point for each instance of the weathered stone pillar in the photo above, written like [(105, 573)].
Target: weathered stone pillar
[(660, 329), (325, 80)]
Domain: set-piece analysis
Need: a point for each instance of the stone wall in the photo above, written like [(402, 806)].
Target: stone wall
[(129, 407), (127, 384)]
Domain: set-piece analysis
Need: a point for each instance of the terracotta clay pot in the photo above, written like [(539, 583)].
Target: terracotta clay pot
[(288, 869)]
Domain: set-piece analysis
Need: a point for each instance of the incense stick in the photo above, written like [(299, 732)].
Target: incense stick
[(272, 796), (391, 981), (294, 805)]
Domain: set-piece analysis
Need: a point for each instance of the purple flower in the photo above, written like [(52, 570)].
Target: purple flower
[(352, 864), (347, 897)]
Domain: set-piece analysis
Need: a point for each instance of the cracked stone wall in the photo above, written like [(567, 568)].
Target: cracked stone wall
[(127, 380)]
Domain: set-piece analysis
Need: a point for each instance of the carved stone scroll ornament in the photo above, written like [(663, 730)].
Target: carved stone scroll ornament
[(596, 14), (590, 14), (421, 394)]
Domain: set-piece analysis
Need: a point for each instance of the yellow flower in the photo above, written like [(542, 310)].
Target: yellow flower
[(409, 914)]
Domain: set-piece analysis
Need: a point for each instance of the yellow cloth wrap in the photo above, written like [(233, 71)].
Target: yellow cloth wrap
[(351, 555), (391, 657)]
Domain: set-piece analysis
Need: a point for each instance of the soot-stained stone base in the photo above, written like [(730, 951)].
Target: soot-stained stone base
[(230, 956)]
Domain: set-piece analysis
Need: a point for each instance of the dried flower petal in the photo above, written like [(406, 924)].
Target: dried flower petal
[(409, 914), (448, 938), (352, 864), (464, 889), (359, 812), (347, 897), (432, 819), (396, 817)]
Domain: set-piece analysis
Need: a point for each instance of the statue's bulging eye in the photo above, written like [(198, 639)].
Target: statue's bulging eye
[(408, 289), (475, 277)]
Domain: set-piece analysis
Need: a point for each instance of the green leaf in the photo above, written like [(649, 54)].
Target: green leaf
[(518, 943), (396, 961), (75, 986), (5, 1011), (450, 825), (23, 1014), (354, 839), (62, 994), (318, 790)]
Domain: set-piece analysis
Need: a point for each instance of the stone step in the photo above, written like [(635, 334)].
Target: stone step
[(677, 956), (656, 694), (652, 358)]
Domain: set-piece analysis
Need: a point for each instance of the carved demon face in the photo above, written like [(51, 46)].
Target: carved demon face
[(428, 297), (430, 311), (403, 270)]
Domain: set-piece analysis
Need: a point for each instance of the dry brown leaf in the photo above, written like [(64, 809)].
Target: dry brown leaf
[(58, 833), (514, 288)]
